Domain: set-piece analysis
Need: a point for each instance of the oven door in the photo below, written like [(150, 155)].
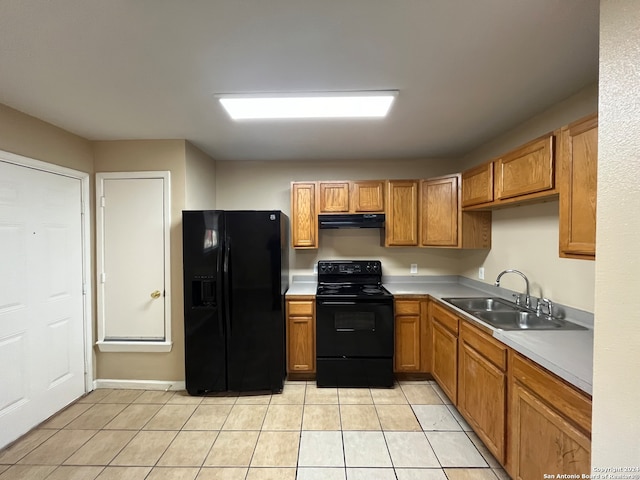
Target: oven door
[(354, 328)]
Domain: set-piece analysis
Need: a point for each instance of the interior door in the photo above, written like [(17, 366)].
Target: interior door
[(133, 258), (41, 304)]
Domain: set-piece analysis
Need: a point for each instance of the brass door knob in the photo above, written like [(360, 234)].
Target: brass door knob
[(156, 294)]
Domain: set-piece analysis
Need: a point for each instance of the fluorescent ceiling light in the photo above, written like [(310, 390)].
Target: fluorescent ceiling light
[(367, 104)]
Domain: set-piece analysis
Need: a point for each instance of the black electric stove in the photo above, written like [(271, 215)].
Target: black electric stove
[(354, 325)]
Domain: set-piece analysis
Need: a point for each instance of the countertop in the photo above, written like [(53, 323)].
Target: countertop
[(567, 353)]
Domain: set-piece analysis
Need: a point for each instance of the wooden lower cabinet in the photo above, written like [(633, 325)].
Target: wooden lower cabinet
[(444, 349), (549, 424), (409, 326), (533, 422), (301, 333), (482, 387)]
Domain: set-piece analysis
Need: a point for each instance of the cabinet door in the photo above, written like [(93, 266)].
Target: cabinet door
[(482, 398), (445, 359), (367, 196), (407, 336), (401, 224), (304, 219), (578, 164), (543, 441), (334, 197), (477, 185), (439, 212), (300, 336), (527, 170)]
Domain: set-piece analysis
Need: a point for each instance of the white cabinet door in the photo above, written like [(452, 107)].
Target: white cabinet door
[(133, 262), (41, 302)]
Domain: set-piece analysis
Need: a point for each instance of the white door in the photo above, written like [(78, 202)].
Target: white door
[(133, 258), (41, 304)]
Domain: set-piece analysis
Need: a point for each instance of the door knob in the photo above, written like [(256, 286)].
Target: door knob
[(156, 294)]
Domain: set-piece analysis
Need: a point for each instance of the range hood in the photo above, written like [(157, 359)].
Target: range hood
[(352, 220)]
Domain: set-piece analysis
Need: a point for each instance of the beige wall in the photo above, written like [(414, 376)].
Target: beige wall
[(616, 382), (526, 237), (266, 185), (145, 155), (200, 179), (31, 137)]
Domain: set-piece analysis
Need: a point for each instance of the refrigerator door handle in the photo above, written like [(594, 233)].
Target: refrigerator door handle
[(227, 288)]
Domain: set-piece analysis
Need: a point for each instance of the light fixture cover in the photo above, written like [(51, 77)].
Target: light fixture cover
[(364, 104)]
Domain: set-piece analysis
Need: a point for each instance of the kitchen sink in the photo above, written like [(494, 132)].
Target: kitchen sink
[(489, 304), (504, 315)]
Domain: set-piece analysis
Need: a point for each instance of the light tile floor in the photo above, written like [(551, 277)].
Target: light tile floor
[(410, 432)]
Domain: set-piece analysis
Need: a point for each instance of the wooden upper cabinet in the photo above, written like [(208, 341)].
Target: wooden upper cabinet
[(477, 185), (442, 221), (304, 218), (367, 196), (401, 223), (578, 165), (439, 212), (526, 170), (334, 197)]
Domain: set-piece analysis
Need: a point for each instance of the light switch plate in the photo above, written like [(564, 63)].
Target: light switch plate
[(481, 273), (414, 268)]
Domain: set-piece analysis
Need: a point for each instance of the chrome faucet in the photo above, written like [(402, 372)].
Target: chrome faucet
[(527, 299)]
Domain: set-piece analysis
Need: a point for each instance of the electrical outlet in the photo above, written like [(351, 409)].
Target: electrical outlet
[(481, 273), (315, 268), (414, 268)]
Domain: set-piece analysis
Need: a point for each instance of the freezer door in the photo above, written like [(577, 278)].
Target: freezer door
[(204, 333), (254, 309)]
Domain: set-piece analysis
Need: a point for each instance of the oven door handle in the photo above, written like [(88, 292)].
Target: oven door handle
[(330, 302)]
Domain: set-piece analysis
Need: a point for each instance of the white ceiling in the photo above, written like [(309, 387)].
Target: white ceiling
[(466, 70)]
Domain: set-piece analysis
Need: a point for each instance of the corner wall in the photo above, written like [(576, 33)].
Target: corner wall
[(200, 187), (145, 155), (616, 382)]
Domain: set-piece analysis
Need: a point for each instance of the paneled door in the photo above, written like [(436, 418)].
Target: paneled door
[(42, 349), (133, 261)]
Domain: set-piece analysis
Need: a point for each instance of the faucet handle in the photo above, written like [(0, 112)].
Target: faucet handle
[(517, 297), (549, 304)]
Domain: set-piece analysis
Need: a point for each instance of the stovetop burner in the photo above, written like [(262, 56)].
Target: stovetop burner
[(353, 279)]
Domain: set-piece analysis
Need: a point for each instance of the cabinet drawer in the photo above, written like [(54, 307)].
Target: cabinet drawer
[(445, 317), (491, 349), (569, 402), (300, 307), (407, 307)]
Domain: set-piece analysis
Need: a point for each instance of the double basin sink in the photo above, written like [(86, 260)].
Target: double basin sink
[(504, 315)]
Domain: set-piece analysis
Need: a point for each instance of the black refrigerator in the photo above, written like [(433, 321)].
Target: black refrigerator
[(235, 277)]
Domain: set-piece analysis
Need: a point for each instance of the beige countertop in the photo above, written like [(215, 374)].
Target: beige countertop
[(568, 353)]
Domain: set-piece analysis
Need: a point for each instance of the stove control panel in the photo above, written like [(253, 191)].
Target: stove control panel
[(350, 267)]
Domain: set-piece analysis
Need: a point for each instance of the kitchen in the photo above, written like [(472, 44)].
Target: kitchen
[(523, 237)]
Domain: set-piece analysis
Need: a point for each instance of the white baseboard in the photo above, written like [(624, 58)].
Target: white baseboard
[(165, 385)]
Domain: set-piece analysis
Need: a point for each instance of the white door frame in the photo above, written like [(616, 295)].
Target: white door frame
[(166, 344), (85, 226)]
